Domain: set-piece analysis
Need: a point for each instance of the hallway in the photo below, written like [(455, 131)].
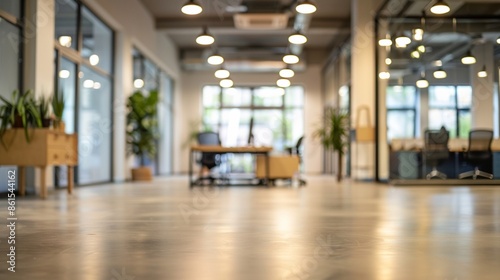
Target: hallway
[(164, 230)]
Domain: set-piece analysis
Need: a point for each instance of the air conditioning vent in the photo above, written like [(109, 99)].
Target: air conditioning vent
[(261, 21)]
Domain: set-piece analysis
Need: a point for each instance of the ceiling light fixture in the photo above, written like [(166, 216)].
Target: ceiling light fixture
[(418, 34), (226, 83), (440, 8), (402, 40), (384, 75), (191, 8), (291, 59), (65, 41), (138, 83), (64, 74), (482, 73), (498, 40), (388, 61), (385, 42), (439, 74), (422, 82), (94, 59), (205, 38), (415, 54), (306, 7), (468, 58), (222, 73), (287, 73), (421, 48), (215, 59), (283, 83), (297, 38)]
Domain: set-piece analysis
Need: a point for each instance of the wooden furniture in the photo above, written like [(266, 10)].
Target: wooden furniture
[(229, 150), (454, 144), (46, 147), (281, 167)]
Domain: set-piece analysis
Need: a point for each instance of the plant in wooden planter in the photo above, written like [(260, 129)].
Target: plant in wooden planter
[(20, 112), (43, 106), (334, 134), (58, 103), (142, 130)]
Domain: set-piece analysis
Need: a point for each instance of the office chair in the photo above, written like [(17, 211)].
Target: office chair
[(208, 160), (479, 151), (436, 150), (297, 150)]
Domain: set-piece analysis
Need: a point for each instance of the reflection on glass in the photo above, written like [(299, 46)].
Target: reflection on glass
[(66, 23), (67, 87), (97, 40), (12, 7), (95, 128), (400, 124), (150, 76)]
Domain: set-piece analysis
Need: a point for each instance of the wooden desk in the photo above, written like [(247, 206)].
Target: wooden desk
[(454, 144), (229, 150), (46, 147)]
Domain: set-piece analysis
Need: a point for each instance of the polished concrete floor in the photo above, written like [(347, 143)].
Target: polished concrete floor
[(164, 230)]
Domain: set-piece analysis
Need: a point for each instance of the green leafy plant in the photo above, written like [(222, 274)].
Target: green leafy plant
[(20, 112), (142, 124), (334, 134), (44, 107), (58, 105)]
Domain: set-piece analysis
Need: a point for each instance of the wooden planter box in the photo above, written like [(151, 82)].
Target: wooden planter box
[(46, 147)]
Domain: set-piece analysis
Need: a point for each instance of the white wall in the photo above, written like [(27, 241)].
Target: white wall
[(190, 103), (134, 26)]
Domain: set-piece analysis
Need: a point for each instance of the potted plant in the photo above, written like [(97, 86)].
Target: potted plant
[(58, 109), (20, 112), (44, 111), (334, 134), (142, 130)]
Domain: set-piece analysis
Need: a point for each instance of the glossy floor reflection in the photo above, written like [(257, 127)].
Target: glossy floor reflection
[(164, 230)]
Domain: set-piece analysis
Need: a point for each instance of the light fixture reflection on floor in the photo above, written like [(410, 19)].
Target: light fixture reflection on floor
[(440, 74), (191, 8), (384, 75), (283, 83), (286, 73), (468, 58), (297, 38), (440, 8), (138, 83), (306, 7), (222, 73), (215, 59), (205, 38), (226, 83), (291, 59), (482, 73)]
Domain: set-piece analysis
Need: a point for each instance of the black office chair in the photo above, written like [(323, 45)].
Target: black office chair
[(297, 150), (208, 160), (479, 151), (436, 150)]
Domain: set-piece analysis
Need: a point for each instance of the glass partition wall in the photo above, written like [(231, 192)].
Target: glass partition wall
[(432, 73), (84, 75)]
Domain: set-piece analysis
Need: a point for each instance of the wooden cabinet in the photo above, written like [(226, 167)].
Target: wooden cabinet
[(46, 147)]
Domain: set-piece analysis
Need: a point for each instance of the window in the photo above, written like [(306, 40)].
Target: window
[(147, 76), (401, 104), (278, 116), (84, 60), (449, 106)]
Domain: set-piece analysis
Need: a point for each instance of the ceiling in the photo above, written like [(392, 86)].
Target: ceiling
[(324, 29)]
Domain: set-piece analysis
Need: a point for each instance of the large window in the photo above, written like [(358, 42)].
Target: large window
[(148, 76), (401, 104), (84, 75), (449, 106), (10, 54)]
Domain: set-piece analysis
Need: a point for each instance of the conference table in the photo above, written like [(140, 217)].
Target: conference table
[(255, 150)]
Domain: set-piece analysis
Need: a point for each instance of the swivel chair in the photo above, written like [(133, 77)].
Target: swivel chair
[(297, 150), (208, 160), (479, 151), (436, 150)]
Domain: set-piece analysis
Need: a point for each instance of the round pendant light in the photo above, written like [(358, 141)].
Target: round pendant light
[(291, 59), (388, 61), (205, 38), (226, 83), (222, 73), (138, 83), (215, 59), (384, 75), (439, 74), (297, 38), (402, 40), (418, 34), (283, 83), (468, 58), (482, 73), (498, 40), (385, 42), (286, 73), (191, 8), (306, 7), (422, 83), (440, 8)]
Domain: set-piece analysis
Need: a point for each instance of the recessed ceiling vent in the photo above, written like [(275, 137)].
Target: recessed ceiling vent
[(271, 21)]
